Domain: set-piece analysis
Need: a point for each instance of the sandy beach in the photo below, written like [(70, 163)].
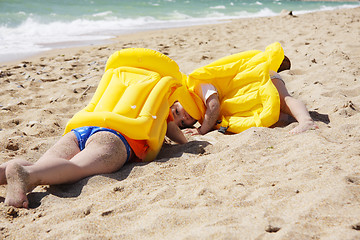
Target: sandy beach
[(263, 183)]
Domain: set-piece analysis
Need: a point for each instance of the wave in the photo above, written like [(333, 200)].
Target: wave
[(34, 35), (327, 8), (102, 14), (218, 7)]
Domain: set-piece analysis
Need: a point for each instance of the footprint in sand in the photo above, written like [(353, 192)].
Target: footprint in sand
[(348, 109), (356, 226), (272, 229), (353, 179)]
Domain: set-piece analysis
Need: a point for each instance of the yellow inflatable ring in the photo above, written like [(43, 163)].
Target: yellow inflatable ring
[(133, 97), (247, 96)]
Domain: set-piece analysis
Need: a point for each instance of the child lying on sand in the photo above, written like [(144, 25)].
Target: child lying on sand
[(80, 153), (89, 146), (208, 93)]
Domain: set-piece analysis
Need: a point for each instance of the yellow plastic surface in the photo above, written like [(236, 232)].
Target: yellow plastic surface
[(133, 97), (247, 95)]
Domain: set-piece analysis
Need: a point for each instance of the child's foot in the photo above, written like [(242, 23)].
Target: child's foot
[(304, 126), (17, 179), (20, 161)]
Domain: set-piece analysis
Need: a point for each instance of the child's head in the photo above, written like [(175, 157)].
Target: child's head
[(181, 118)]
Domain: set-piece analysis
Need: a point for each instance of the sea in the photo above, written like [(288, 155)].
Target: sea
[(29, 27)]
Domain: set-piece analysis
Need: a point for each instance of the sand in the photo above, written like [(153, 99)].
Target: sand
[(261, 184)]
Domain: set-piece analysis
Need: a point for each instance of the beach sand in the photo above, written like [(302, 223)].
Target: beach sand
[(261, 184)]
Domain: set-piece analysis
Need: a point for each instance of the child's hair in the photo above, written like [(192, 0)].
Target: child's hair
[(189, 126)]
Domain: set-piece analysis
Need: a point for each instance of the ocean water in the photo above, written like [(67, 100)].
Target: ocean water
[(32, 26)]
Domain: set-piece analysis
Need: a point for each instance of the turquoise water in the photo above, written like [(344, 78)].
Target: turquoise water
[(27, 26)]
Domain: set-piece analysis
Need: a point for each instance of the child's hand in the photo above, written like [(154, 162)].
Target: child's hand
[(192, 131)]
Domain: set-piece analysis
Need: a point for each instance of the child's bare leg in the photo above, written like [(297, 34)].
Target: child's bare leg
[(20, 161), (104, 153), (17, 179), (17, 175), (295, 108)]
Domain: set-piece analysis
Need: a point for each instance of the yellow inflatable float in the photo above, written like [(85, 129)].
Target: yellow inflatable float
[(247, 95), (134, 97)]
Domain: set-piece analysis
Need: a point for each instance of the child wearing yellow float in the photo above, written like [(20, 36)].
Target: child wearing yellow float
[(105, 135), (104, 151), (288, 106), (242, 91)]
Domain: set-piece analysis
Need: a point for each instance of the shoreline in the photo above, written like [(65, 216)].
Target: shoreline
[(58, 46)]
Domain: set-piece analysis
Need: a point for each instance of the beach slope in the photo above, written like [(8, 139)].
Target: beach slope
[(261, 184)]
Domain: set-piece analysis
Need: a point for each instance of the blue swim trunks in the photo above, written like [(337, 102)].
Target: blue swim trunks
[(83, 134)]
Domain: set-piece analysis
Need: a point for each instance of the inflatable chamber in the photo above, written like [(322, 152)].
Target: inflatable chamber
[(247, 95), (134, 97)]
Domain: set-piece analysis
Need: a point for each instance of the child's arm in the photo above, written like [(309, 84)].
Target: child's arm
[(211, 115), (174, 133)]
